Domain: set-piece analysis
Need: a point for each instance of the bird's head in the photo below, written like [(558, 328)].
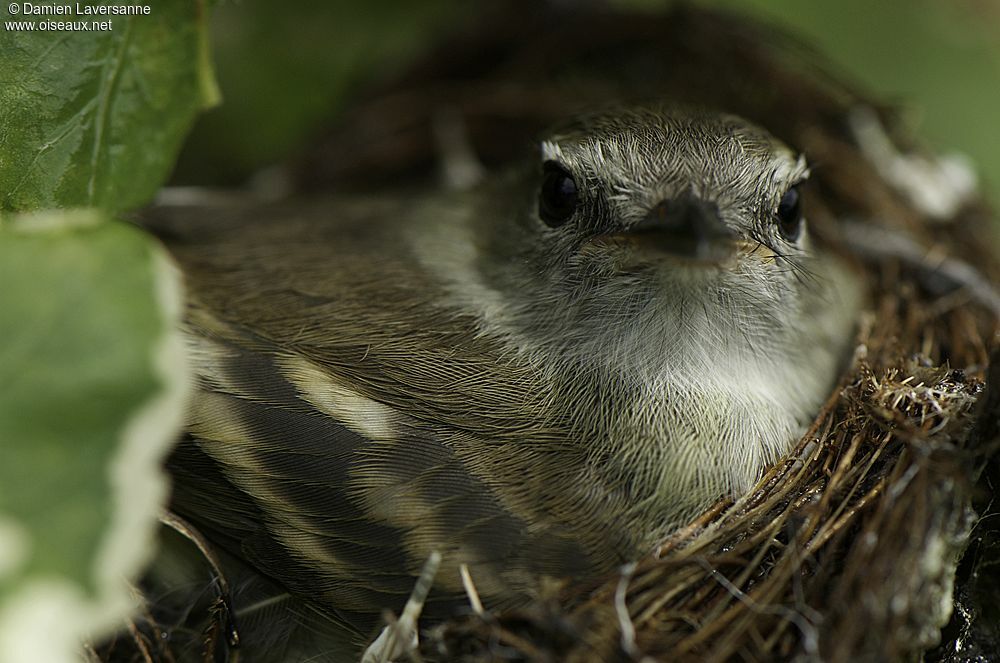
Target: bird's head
[(667, 225), (669, 189)]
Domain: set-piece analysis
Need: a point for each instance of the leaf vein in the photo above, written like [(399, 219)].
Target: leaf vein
[(109, 85)]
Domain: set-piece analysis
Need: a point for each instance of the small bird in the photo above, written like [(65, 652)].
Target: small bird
[(541, 376)]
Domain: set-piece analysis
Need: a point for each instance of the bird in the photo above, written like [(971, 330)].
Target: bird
[(539, 376)]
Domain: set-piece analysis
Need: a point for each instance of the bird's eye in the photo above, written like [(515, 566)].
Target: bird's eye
[(559, 195), (790, 214)]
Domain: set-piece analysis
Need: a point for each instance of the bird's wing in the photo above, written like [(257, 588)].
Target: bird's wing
[(328, 444)]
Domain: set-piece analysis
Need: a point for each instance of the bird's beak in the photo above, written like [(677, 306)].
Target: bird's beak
[(686, 227)]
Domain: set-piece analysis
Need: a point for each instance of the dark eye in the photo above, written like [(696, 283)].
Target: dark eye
[(559, 195), (790, 214)]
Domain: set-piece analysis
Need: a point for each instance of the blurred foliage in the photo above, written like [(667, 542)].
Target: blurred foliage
[(90, 125), (91, 399), (75, 364)]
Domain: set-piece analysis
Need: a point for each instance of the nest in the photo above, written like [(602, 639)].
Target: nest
[(846, 550)]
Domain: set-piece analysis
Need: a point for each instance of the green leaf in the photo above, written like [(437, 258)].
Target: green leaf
[(95, 118), (92, 385)]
